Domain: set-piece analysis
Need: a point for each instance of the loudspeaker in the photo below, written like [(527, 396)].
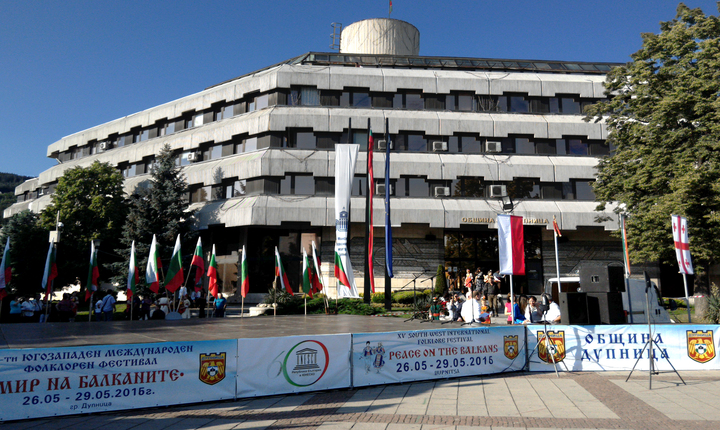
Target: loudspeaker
[(594, 277), (616, 279), (573, 308), (605, 308)]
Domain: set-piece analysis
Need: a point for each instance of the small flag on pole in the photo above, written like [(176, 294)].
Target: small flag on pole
[(390, 10), (626, 253), (244, 281), (682, 244), (307, 275), (556, 228), (152, 271), (317, 274), (93, 273), (133, 273), (199, 262), (511, 244), (5, 270), (280, 273), (213, 275), (174, 276)]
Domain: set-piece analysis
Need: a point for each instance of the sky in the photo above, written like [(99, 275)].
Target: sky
[(68, 65)]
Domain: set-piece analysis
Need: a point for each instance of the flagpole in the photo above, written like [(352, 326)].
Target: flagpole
[(90, 307), (47, 299), (242, 306), (557, 258), (687, 298), (512, 301), (368, 204), (626, 265)]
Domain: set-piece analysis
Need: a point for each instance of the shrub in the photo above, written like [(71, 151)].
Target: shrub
[(378, 297), (406, 297), (712, 313)]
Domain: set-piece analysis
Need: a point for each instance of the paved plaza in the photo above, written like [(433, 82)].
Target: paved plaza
[(581, 400)]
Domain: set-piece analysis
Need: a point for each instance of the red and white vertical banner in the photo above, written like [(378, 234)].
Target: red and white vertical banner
[(511, 244), (682, 244)]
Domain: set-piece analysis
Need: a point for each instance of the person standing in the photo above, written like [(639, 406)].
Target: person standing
[(16, 309), (201, 303), (532, 314), (184, 307), (108, 306), (220, 305), (28, 310), (493, 289)]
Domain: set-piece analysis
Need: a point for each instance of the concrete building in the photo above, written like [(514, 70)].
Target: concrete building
[(471, 138)]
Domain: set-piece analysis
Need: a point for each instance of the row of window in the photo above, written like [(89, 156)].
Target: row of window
[(360, 98), (402, 142), (410, 186)]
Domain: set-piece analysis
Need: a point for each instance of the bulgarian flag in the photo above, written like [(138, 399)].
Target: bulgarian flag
[(511, 244), (93, 273), (280, 273), (317, 285), (212, 275), (50, 270), (306, 275), (152, 272), (174, 277), (133, 277), (244, 281), (199, 262), (5, 270)]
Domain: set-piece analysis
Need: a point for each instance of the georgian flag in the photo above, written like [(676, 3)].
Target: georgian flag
[(682, 244), (511, 245)]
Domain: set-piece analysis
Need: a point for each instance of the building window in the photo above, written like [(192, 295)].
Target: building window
[(523, 145), (303, 185), (359, 186), (200, 194), (302, 140), (524, 188), (304, 96), (584, 191), (415, 186)]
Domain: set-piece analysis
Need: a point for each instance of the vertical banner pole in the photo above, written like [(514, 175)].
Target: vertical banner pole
[(512, 301), (557, 262), (687, 297), (367, 291), (626, 264), (90, 310), (388, 226), (242, 307)]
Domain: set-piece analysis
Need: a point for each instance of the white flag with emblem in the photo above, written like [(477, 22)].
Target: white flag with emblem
[(682, 244)]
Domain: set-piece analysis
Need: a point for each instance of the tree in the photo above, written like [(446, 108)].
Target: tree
[(91, 203), (440, 281), (160, 208), (663, 118), (28, 250)]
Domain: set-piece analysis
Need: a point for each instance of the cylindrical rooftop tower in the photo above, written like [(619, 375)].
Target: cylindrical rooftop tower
[(380, 36)]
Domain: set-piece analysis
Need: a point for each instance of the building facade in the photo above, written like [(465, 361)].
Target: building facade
[(470, 138)]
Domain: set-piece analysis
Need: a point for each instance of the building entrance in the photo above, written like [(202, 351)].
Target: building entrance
[(477, 248)]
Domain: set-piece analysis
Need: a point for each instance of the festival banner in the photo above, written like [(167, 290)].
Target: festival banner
[(345, 159), (385, 358), (293, 364), (618, 347), (48, 382)]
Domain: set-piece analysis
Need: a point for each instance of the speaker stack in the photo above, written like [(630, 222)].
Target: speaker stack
[(573, 308)]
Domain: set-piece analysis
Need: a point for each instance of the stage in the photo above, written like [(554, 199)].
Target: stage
[(54, 335)]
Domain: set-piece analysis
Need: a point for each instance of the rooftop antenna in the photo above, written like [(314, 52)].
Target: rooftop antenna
[(335, 36)]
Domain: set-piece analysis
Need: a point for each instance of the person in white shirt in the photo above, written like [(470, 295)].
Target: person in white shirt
[(470, 311), (532, 314), (552, 316)]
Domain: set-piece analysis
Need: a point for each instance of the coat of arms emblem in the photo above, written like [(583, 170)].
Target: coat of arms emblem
[(212, 368), (554, 346), (701, 347), (511, 346)]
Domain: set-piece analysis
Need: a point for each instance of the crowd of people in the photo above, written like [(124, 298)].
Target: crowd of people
[(479, 300), (104, 307)]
